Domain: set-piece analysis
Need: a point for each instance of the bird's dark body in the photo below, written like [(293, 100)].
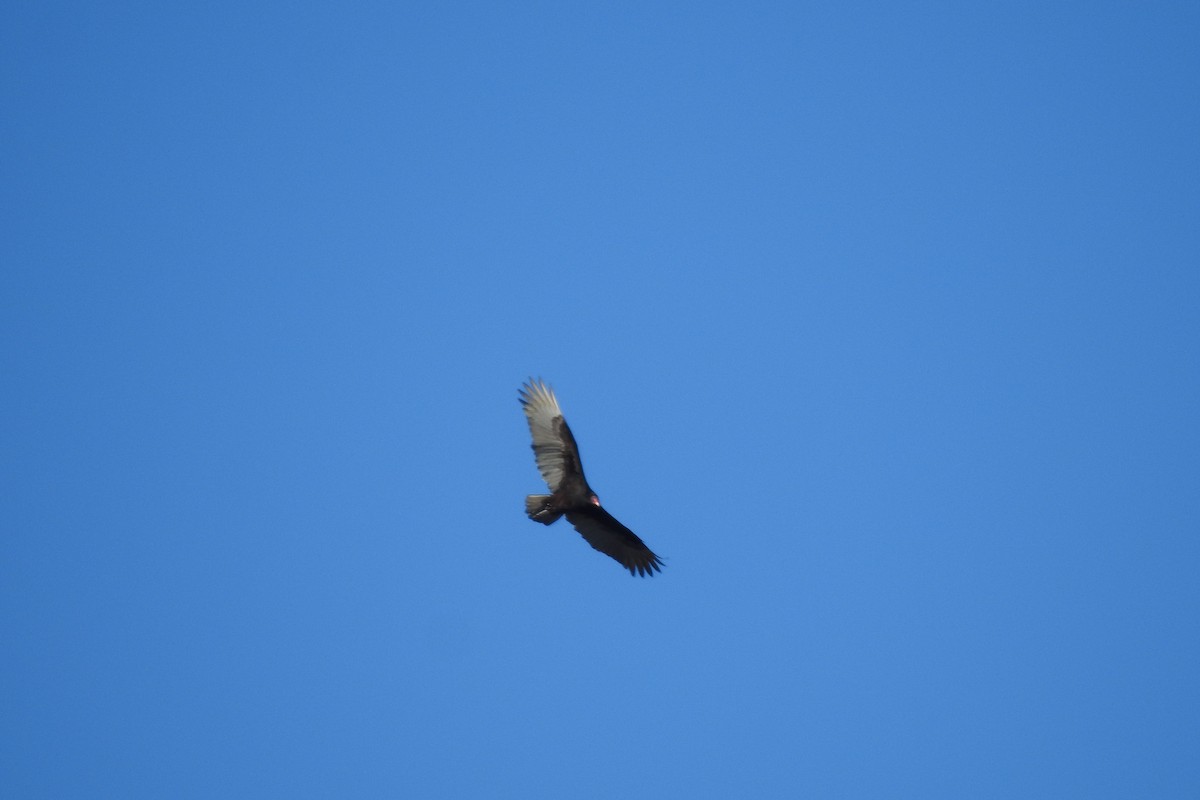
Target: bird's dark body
[(557, 457)]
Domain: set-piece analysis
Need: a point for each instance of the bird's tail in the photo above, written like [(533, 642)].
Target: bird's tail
[(537, 506)]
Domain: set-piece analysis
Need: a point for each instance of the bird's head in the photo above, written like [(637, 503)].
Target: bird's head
[(594, 501)]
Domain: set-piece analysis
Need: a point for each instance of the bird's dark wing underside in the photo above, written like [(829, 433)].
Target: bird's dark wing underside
[(603, 532)]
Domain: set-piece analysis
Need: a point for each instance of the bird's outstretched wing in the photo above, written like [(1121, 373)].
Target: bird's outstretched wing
[(553, 445), (610, 537)]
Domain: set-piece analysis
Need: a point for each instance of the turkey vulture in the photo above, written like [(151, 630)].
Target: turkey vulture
[(557, 458)]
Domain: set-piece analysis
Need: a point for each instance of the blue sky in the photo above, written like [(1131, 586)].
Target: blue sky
[(879, 323)]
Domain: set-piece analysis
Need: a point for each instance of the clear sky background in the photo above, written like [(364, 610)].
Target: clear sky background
[(879, 322)]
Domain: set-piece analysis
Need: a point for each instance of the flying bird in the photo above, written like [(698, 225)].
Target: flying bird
[(557, 458)]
